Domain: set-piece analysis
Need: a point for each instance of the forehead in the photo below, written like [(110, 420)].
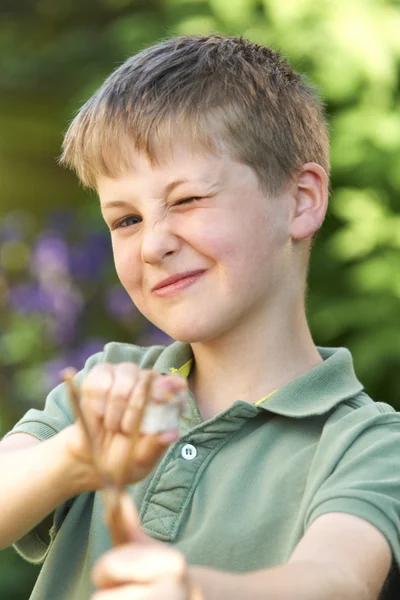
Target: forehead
[(183, 166)]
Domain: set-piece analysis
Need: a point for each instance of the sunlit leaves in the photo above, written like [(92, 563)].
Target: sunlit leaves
[(236, 13), (365, 227), (351, 50), (196, 25), (22, 339)]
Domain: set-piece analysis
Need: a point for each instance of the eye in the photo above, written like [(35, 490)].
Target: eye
[(133, 220), (187, 200)]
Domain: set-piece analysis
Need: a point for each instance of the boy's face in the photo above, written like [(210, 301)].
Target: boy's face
[(231, 232)]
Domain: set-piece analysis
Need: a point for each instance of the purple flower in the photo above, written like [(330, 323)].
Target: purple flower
[(52, 370), (82, 353), (91, 258), (65, 307), (50, 256), (62, 220), (118, 303), (64, 300), (15, 225), (63, 330), (28, 298), (155, 337)]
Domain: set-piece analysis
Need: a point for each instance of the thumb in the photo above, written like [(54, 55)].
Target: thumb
[(150, 448)]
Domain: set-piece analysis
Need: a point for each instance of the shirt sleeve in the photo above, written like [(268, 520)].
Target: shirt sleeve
[(43, 424), (57, 413), (359, 472)]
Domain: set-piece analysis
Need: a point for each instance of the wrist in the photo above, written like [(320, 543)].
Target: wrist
[(80, 474)]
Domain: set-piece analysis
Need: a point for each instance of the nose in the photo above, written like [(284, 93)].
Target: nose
[(158, 242)]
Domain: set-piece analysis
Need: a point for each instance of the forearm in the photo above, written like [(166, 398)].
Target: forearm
[(33, 482), (303, 581)]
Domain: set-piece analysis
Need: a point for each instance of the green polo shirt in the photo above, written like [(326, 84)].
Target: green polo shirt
[(236, 492)]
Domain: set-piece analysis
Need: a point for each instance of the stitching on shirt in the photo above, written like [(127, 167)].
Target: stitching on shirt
[(178, 515), (160, 519), (23, 422), (355, 402)]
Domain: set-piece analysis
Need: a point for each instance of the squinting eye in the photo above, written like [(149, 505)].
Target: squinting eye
[(187, 200), (128, 221)]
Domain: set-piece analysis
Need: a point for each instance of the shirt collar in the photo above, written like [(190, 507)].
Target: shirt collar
[(315, 392)]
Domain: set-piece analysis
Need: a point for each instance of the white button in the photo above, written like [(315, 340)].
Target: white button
[(188, 452)]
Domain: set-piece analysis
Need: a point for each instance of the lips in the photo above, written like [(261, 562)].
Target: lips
[(174, 278)]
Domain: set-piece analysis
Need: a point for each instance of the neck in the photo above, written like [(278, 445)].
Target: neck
[(251, 362)]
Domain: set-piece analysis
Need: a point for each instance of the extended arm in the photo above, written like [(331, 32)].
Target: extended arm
[(341, 557), (35, 477)]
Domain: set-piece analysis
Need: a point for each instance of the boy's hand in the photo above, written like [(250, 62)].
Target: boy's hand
[(145, 569), (111, 399)]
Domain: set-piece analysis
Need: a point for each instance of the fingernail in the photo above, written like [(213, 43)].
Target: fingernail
[(169, 436), (158, 396), (176, 397)]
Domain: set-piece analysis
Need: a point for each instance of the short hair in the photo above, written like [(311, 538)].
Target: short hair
[(214, 92)]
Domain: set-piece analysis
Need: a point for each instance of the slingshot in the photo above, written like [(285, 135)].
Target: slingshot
[(112, 489)]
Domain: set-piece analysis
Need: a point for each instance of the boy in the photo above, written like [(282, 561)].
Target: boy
[(210, 158)]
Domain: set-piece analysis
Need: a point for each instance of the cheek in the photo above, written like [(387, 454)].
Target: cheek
[(245, 251), (216, 234), (126, 267), (217, 244), (234, 243), (224, 246)]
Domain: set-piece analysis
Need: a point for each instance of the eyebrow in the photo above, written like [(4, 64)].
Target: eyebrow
[(168, 189), (114, 204)]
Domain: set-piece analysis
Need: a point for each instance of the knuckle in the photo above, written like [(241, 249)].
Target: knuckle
[(141, 388), (178, 564), (118, 400), (99, 379), (120, 392), (125, 392), (127, 369), (126, 426), (125, 381)]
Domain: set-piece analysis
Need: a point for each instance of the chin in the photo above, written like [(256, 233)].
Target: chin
[(186, 337), (192, 334)]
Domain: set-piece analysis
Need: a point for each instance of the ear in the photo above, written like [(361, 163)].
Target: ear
[(310, 201)]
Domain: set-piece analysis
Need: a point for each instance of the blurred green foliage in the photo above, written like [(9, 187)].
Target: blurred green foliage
[(54, 54)]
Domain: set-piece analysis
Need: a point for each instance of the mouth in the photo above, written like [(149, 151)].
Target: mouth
[(177, 282)]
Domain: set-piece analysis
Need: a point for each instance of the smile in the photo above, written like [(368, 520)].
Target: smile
[(177, 286)]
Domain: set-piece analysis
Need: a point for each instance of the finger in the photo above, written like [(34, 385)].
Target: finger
[(165, 591), (127, 592), (125, 380), (94, 391), (150, 449), (136, 401), (139, 563), (169, 388)]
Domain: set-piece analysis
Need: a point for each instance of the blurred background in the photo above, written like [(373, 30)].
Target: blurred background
[(60, 300)]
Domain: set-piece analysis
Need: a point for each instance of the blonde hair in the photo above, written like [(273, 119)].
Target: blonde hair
[(213, 92)]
